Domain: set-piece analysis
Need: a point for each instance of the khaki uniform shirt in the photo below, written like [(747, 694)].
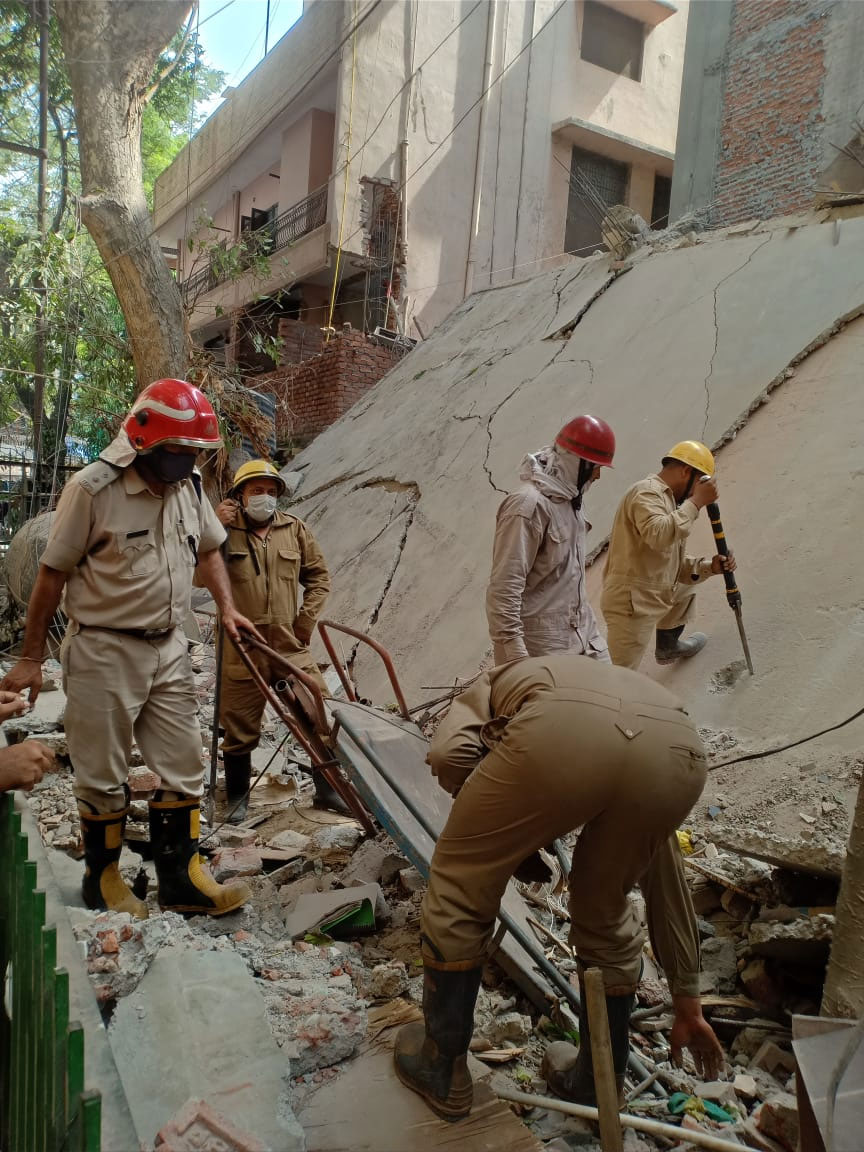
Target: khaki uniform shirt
[(129, 554), (536, 601), (647, 549), (266, 574)]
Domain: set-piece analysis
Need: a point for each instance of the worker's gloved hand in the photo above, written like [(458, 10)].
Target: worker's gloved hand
[(691, 1030), (533, 870)]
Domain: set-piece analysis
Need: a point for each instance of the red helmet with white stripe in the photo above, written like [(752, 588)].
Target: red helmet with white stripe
[(172, 412)]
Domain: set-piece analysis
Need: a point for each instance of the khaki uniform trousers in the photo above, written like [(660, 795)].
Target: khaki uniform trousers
[(242, 703), (633, 615), (564, 762), (121, 687)]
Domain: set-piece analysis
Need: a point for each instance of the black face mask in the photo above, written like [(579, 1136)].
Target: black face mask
[(688, 491), (170, 467)]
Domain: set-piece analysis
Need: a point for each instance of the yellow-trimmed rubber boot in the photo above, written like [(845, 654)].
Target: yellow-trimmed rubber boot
[(431, 1056), (185, 883), (103, 886)]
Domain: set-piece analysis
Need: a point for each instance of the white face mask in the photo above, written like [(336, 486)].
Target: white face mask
[(261, 507)]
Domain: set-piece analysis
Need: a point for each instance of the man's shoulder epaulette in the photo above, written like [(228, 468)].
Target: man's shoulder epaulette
[(97, 476)]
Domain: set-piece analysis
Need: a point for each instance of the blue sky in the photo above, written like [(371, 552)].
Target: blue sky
[(232, 33)]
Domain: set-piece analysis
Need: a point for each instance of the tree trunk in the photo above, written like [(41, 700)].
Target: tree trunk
[(111, 49), (844, 986)]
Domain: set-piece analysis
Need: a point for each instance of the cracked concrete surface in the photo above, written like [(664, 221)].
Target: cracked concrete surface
[(724, 321)]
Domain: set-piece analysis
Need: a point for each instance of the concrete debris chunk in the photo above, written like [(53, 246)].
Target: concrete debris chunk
[(773, 1059), (805, 941), (510, 1026), (289, 840), (228, 863), (777, 1118), (387, 981), (337, 838), (719, 966), (410, 881), (819, 857)]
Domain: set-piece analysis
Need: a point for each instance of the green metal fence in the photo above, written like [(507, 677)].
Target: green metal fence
[(43, 1104)]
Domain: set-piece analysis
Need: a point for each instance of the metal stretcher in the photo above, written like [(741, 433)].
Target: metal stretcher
[(383, 757)]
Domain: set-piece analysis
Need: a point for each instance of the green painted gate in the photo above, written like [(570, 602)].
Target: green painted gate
[(43, 1104)]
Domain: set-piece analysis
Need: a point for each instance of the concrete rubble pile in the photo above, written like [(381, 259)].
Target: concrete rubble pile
[(765, 925)]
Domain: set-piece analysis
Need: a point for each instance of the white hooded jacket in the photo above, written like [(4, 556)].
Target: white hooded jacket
[(536, 602)]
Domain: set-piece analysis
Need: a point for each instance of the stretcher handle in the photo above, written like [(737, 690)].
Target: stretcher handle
[(342, 672)]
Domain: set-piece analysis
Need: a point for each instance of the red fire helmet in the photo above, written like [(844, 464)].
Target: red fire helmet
[(172, 412), (590, 438)]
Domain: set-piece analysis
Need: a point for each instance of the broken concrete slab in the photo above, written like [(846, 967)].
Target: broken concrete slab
[(488, 387), (197, 1027), (805, 941), (796, 854)]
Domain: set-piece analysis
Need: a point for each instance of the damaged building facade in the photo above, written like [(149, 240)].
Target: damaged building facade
[(772, 109), (346, 156)]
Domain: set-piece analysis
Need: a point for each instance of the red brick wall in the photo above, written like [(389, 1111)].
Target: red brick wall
[(299, 341), (770, 148), (312, 395)]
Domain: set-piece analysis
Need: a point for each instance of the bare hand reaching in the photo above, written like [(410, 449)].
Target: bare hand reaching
[(23, 765), (12, 704), (704, 491), (691, 1030)]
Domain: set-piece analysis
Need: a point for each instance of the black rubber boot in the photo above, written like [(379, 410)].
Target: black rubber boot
[(670, 647), (431, 1056), (185, 883), (238, 777), (327, 797), (569, 1071), (103, 886)]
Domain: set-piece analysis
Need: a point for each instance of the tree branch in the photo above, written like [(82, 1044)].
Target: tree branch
[(172, 64)]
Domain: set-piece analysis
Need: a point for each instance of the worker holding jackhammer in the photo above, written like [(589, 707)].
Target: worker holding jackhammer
[(269, 555), (536, 601), (649, 585), (533, 750), (128, 534)]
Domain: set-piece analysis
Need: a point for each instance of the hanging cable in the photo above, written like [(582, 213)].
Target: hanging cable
[(786, 747)]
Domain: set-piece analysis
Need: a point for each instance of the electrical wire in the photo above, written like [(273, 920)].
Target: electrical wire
[(786, 747)]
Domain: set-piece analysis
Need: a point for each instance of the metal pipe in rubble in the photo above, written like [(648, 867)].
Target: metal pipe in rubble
[(565, 988), (639, 1123)]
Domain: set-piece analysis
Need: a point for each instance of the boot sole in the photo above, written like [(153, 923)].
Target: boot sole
[(437, 1106), (198, 910)]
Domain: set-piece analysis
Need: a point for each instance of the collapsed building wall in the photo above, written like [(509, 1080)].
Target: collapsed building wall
[(675, 344)]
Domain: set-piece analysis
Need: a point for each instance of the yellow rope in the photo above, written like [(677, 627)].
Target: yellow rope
[(347, 170)]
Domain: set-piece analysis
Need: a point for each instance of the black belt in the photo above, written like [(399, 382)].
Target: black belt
[(141, 633)]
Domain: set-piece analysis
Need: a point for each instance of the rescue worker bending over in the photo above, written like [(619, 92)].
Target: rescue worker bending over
[(649, 582), (269, 554), (531, 751), (124, 543), (536, 601)]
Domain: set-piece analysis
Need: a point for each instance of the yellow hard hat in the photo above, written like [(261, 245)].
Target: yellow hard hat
[(694, 453), (253, 469)]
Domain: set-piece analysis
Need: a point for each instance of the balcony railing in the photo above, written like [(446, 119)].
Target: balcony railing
[(299, 220)]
